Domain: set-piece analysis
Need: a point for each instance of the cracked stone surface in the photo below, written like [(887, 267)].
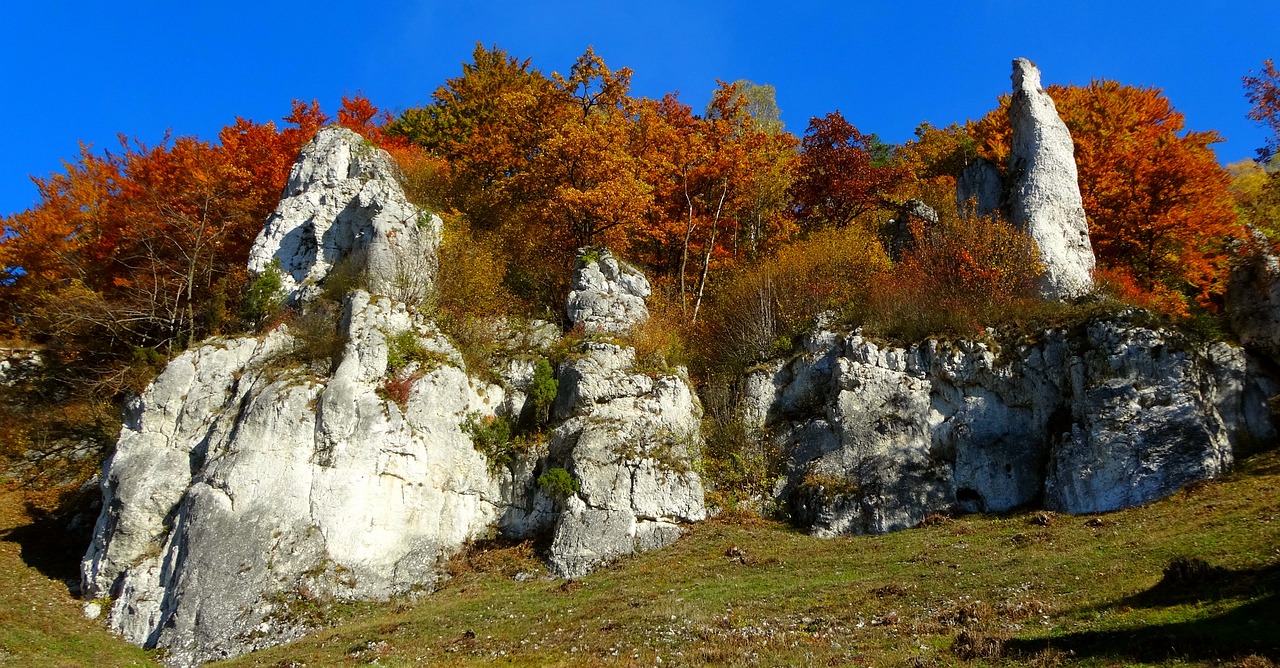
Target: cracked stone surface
[(877, 438)]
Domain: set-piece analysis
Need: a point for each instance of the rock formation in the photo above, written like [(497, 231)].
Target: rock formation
[(1043, 190), (980, 190), (242, 486), (630, 439), (343, 202), (607, 296), (1046, 189), (877, 437), (1253, 297), (257, 475)]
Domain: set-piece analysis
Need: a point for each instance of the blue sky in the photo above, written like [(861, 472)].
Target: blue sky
[(81, 71)]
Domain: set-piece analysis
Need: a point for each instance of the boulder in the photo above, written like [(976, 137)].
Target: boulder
[(343, 202), (1045, 191), (607, 295)]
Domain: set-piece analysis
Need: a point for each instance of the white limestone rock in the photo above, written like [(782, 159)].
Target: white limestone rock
[(240, 488), (1045, 198), (608, 295), (343, 201), (630, 440), (877, 438)]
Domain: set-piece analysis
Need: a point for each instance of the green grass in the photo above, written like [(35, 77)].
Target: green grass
[(41, 624), (1027, 588)]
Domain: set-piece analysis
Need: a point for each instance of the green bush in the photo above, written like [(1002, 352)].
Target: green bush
[(492, 436), (403, 348), (558, 483), (543, 390), (265, 297)]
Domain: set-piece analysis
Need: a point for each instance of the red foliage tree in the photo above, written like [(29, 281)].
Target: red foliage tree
[(1263, 91), (838, 179)]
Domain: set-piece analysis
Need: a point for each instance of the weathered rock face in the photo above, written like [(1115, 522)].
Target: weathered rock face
[(240, 489), (248, 482), (1253, 297), (878, 438), (344, 202), (1045, 197), (980, 190), (630, 440), (608, 296)]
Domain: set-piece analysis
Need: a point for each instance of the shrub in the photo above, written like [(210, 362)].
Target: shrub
[(960, 275), (402, 348), (543, 390), (318, 340), (492, 436), (350, 273), (558, 483), (471, 300), (265, 296), (738, 464), (660, 340), (397, 389), (757, 312)]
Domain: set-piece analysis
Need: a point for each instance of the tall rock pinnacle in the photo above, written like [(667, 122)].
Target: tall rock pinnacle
[(1045, 187)]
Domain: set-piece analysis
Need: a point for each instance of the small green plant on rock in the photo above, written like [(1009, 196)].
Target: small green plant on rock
[(265, 297), (542, 391), (493, 437), (558, 483)]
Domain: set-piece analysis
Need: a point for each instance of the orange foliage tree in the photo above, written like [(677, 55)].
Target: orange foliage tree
[(1159, 210), (545, 165), (144, 248)]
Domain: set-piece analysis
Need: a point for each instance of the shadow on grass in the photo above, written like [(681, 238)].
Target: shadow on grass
[(53, 542), (1251, 628)]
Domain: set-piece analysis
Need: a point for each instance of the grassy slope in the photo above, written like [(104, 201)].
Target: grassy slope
[(1037, 588), (1040, 589), (40, 623)]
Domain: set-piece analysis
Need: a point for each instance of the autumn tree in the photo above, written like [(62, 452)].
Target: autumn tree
[(145, 247), (1263, 92), (1159, 211), (719, 189), (487, 125), (840, 177)]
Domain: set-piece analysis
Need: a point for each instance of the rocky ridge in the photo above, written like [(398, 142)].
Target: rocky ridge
[(248, 483)]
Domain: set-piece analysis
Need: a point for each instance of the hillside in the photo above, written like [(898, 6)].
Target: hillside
[(1044, 589)]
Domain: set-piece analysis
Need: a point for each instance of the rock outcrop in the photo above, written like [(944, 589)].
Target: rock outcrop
[(980, 190), (1042, 192), (608, 295), (1046, 189), (630, 440), (343, 203), (256, 476), (242, 487), (877, 438), (1253, 297)]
